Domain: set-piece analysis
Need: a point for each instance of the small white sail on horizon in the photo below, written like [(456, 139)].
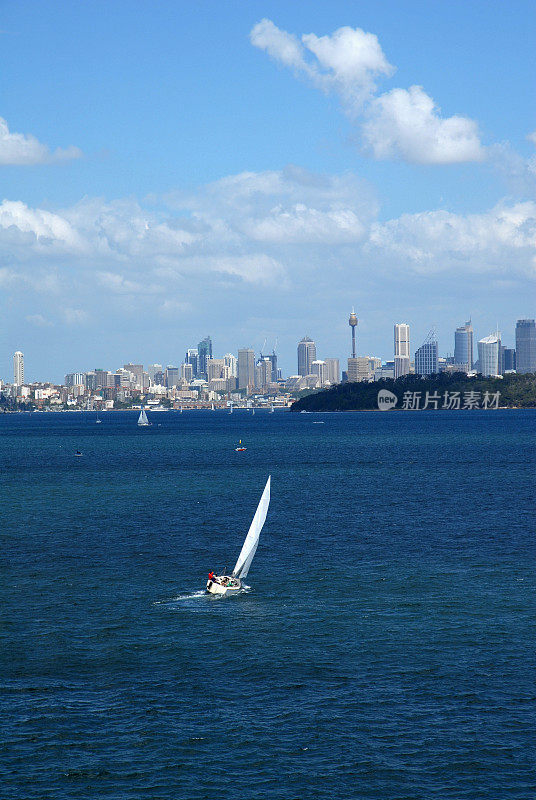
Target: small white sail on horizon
[(142, 419)]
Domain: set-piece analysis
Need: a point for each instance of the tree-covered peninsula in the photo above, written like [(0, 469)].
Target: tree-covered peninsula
[(413, 392)]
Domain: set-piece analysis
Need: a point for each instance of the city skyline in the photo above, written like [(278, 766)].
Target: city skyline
[(250, 175), (424, 357)]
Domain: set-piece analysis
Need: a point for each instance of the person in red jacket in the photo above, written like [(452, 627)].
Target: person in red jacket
[(211, 575)]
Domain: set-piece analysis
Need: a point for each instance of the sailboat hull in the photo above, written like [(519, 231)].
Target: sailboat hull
[(217, 586)]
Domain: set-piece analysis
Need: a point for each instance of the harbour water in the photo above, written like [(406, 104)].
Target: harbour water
[(385, 649)]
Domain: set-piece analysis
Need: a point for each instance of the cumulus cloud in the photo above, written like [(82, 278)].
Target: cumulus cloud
[(401, 124), (348, 61), (501, 240), (25, 150), (406, 124)]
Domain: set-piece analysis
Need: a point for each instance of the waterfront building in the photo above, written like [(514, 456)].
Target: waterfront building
[(18, 368), (426, 358), (489, 349), (463, 346), (246, 368), (401, 349), (204, 349), (333, 370), (526, 345), (306, 355)]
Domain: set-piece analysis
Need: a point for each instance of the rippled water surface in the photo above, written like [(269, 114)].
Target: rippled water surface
[(385, 647)]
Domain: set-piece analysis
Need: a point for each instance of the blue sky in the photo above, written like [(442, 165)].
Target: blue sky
[(253, 169)]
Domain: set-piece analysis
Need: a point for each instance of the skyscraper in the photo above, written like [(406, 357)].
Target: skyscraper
[(526, 345), (489, 349), (319, 368), (192, 357), (402, 351), (18, 368), (463, 345), (306, 355), (137, 371), (246, 368), (334, 370), (204, 348), (426, 357)]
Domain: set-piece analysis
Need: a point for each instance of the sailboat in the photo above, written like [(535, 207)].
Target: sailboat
[(231, 409), (142, 419), (240, 447), (98, 421), (221, 584), (272, 409), (212, 407)]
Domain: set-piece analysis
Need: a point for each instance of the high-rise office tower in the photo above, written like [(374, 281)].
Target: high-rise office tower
[(204, 348), (263, 372), (172, 376), (231, 361), (526, 345), (137, 371), (306, 355), (463, 345), (489, 349), (18, 368), (334, 370), (402, 352), (508, 359), (319, 368), (152, 370), (187, 372), (192, 357), (426, 357), (246, 368)]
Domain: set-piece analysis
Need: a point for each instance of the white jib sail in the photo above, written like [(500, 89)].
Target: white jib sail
[(252, 539)]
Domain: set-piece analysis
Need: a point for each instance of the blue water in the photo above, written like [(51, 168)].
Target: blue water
[(386, 646)]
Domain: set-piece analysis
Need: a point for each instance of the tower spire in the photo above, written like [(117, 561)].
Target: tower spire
[(352, 322)]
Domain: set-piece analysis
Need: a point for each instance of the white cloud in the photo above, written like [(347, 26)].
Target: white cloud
[(38, 320), (25, 149), (400, 124), (502, 240), (75, 316), (406, 124), (347, 62), (532, 137)]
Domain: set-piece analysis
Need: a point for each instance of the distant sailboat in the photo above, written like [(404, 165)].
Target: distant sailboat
[(181, 409), (231, 409), (142, 419), (240, 447), (272, 409), (98, 421), (221, 584), (212, 407)]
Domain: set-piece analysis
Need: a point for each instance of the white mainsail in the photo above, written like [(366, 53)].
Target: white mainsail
[(252, 539), (142, 419)]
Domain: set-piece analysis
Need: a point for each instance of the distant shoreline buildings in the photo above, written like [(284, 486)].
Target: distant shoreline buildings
[(247, 377)]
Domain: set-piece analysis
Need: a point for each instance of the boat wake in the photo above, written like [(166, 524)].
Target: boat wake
[(200, 594)]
